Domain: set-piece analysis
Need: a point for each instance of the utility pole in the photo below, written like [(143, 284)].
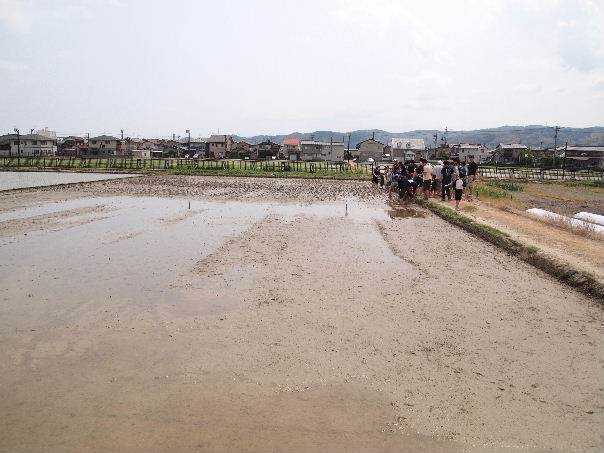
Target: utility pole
[(348, 152), (122, 131), (188, 131), (556, 130), (18, 143), (564, 160)]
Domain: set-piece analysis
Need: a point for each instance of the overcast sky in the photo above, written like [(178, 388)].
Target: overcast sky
[(276, 66)]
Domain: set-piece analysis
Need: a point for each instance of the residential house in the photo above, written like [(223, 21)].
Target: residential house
[(463, 151), (72, 146), (508, 153), (290, 148), (6, 143), (150, 145), (29, 145), (104, 145), (128, 145), (242, 150), (406, 149), (370, 148), (268, 148), (585, 156), (169, 148), (329, 151), (195, 147), (219, 146)]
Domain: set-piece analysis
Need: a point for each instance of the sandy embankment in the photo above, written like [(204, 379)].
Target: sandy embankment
[(287, 327)]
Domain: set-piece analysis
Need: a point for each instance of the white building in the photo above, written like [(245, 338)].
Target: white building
[(329, 151), (406, 149), (103, 145), (30, 145), (465, 150)]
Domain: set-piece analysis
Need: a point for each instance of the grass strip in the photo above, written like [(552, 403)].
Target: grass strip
[(563, 272)]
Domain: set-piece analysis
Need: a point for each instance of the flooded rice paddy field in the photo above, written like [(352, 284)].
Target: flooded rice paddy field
[(237, 314), (22, 179)]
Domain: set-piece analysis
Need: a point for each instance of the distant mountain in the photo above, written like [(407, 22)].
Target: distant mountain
[(533, 136)]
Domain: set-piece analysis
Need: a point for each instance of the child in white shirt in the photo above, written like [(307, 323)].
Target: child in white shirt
[(458, 192)]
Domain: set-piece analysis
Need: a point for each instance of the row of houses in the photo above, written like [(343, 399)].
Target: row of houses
[(573, 155), (405, 149), (44, 142)]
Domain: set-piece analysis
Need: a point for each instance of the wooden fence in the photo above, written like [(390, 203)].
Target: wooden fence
[(134, 164), (540, 174)]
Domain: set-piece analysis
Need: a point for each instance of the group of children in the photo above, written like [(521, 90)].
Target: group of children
[(434, 180)]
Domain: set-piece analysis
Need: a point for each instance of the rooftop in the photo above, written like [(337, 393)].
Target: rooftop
[(312, 142), (104, 137), (36, 137), (291, 141), (370, 140), (512, 146)]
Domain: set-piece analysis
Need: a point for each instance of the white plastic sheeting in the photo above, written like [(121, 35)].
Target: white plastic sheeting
[(589, 217), (576, 223)]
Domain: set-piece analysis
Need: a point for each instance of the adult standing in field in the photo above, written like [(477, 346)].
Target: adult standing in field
[(447, 175), (462, 169), (472, 175), (455, 168), (426, 177), (437, 177)]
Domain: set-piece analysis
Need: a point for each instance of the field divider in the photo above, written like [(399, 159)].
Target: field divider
[(582, 281)]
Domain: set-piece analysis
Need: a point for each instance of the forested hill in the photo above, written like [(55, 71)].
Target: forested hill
[(534, 136)]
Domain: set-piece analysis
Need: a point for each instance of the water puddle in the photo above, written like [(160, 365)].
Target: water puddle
[(24, 179), (403, 211)]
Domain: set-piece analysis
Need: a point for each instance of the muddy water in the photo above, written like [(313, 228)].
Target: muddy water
[(22, 179), (138, 249), (96, 292)]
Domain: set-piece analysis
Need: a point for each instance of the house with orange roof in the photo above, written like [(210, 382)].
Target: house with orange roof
[(290, 148)]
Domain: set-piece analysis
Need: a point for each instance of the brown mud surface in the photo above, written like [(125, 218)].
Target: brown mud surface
[(307, 317)]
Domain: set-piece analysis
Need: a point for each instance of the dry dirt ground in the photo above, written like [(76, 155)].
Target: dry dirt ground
[(582, 251), (271, 317)]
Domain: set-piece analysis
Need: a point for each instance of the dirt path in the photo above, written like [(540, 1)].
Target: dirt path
[(585, 252), (284, 327)]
